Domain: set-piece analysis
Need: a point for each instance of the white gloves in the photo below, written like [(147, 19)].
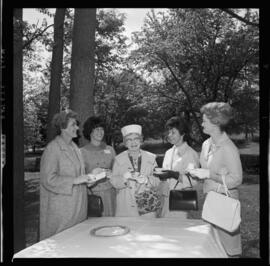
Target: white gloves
[(127, 175), (91, 179), (141, 179), (201, 173), (135, 177), (223, 171), (97, 170), (95, 175)]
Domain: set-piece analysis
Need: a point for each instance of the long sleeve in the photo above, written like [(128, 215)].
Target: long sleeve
[(50, 172), (232, 163), (117, 179), (225, 155)]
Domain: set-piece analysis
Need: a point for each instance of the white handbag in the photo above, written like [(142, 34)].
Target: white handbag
[(222, 210)]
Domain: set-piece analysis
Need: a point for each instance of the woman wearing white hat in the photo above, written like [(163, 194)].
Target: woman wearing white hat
[(132, 175)]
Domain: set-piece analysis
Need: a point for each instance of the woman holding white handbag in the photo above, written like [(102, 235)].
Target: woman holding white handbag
[(219, 160)]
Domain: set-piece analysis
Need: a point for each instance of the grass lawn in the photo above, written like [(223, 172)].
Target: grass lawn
[(249, 193)]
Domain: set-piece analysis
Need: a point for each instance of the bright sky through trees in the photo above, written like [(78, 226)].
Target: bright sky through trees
[(134, 17)]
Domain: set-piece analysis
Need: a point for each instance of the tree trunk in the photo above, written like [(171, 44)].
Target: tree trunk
[(246, 132), (56, 70), (18, 137), (83, 64)]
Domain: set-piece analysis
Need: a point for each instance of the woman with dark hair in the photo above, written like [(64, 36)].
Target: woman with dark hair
[(63, 182), (178, 159), (220, 156), (98, 158)]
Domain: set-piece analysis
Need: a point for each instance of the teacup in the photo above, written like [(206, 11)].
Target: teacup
[(159, 170)]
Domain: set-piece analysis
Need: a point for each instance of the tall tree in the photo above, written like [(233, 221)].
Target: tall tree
[(56, 70), (202, 51), (82, 63), (18, 145)]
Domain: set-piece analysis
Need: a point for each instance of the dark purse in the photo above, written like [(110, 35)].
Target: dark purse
[(95, 205), (183, 200)]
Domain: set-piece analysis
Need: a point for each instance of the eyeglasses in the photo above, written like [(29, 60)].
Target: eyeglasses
[(135, 139)]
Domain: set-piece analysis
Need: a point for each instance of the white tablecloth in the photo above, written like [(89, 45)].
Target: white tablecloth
[(148, 238)]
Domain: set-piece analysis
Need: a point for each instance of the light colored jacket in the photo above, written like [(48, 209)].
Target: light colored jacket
[(224, 155), (62, 204), (179, 162), (125, 199)]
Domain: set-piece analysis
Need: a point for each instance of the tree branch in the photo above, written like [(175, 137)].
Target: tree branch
[(168, 97), (185, 92), (228, 11), (35, 36)]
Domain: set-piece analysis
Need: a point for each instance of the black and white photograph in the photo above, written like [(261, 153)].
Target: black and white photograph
[(136, 134)]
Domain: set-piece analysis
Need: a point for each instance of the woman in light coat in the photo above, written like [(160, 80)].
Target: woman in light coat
[(132, 170), (63, 194), (219, 155), (178, 159)]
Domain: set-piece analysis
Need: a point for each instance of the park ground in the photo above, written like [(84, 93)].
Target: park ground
[(249, 195)]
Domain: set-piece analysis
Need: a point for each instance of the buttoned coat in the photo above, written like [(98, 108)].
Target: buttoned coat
[(214, 157), (125, 197), (223, 155), (62, 204)]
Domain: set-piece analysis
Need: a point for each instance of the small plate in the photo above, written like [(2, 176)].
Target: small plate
[(199, 173), (160, 170), (109, 231)]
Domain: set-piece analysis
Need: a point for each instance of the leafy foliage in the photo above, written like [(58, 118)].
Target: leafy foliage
[(184, 59), (202, 54), (35, 99)]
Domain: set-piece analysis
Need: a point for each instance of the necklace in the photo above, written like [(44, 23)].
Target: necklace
[(136, 162)]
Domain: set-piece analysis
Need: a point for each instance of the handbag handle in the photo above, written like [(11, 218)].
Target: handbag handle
[(188, 176), (225, 186)]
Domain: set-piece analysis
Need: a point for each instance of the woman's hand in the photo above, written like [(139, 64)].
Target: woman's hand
[(142, 179), (174, 174), (189, 167), (97, 170), (223, 171), (84, 179), (166, 174), (108, 173), (201, 173), (127, 175)]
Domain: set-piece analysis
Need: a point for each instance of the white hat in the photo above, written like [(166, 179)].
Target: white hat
[(131, 129)]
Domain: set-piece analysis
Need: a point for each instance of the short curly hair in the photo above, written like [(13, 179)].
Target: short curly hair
[(60, 120), (219, 113), (180, 124), (90, 124)]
